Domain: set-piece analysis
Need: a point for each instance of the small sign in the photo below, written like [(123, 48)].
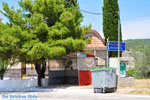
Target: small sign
[(82, 55), (113, 46)]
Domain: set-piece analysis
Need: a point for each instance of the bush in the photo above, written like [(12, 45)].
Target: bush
[(132, 72)]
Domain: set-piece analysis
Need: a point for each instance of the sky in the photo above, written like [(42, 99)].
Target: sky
[(135, 16)]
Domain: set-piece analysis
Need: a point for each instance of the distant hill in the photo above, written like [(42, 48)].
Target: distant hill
[(137, 44)]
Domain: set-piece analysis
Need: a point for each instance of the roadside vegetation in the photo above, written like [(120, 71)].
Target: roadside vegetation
[(141, 52)]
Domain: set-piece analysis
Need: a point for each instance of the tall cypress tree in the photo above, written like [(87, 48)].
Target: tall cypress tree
[(110, 22)]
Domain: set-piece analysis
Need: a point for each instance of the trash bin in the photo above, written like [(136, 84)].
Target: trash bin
[(104, 79)]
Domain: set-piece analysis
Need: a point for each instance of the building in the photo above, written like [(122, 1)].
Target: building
[(97, 47), (69, 66)]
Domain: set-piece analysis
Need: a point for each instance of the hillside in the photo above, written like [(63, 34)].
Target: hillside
[(137, 44)]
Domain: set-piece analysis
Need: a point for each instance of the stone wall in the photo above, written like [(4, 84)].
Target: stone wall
[(126, 82)]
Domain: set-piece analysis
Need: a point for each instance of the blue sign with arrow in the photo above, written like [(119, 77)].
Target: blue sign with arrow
[(113, 46)]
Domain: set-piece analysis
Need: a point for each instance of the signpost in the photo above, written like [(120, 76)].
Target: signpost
[(113, 46)]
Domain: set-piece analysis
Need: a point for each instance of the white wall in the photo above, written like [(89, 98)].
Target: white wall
[(18, 83), (113, 62)]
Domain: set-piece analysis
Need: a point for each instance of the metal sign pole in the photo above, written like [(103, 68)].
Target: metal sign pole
[(107, 58), (119, 44), (107, 53)]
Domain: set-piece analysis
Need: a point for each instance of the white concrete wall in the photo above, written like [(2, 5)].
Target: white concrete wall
[(44, 82), (18, 83), (113, 62)]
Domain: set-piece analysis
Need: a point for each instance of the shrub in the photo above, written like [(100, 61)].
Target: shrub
[(132, 72)]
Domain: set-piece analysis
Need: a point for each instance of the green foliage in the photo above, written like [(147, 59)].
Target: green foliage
[(141, 53), (143, 62), (70, 3), (68, 64), (132, 72), (42, 29), (137, 44), (110, 22)]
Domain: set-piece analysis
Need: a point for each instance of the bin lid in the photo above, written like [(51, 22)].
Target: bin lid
[(102, 68)]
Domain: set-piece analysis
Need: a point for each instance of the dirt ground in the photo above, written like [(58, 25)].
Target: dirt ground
[(140, 86)]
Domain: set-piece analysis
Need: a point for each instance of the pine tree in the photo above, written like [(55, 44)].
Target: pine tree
[(42, 29), (110, 22), (70, 3)]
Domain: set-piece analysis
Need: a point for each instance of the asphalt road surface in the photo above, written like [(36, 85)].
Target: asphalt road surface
[(69, 96)]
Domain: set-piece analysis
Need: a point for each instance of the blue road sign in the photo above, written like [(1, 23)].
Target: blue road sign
[(113, 46), (81, 55)]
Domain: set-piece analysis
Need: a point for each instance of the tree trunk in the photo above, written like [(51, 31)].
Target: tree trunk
[(1, 77), (43, 70), (38, 70)]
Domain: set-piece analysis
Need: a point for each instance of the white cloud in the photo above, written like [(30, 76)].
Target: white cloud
[(139, 29)]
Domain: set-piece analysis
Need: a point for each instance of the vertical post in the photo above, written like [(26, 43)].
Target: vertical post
[(78, 70), (118, 44), (48, 73), (107, 58), (23, 70), (95, 52), (107, 54)]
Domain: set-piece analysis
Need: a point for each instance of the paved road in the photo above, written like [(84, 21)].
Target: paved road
[(68, 96)]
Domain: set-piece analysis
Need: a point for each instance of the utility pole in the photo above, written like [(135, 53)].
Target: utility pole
[(118, 44)]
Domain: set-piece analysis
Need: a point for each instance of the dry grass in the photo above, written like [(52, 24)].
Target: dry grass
[(141, 86)]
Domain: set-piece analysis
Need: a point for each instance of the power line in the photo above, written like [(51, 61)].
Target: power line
[(91, 12), (98, 13), (94, 13)]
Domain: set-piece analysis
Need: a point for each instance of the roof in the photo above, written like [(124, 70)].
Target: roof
[(97, 43)]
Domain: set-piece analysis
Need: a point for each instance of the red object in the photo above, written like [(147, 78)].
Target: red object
[(85, 77), (89, 55), (1, 19)]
